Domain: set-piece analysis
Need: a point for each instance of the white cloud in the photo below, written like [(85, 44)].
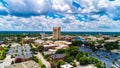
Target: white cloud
[(61, 6), (91, 8), (29, 6)]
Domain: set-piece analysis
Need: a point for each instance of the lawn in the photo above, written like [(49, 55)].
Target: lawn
[(3, 53)]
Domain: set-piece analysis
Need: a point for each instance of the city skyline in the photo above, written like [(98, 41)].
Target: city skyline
[(70, 15)]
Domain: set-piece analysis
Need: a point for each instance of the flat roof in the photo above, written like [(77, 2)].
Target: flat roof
[(27, 64), (66, 66)]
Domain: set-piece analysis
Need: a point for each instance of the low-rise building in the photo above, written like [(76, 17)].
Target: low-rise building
[(58, 56), (28, 39), (107, 41), (39, 42), (50, 46)]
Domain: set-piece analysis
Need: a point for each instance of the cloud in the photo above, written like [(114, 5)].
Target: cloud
[(3, 10), (78, 15), (28, 7)]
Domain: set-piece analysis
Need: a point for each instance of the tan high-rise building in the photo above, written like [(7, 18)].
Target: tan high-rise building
[(56, 32)]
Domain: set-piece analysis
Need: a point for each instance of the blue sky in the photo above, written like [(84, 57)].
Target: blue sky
[(70, 15)]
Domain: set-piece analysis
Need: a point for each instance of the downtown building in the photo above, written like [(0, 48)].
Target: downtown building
[(56, 32)]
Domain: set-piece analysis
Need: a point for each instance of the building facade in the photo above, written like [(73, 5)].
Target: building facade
[(56, 32)]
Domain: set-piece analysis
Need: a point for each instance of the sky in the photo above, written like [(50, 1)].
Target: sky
[(70, 15)]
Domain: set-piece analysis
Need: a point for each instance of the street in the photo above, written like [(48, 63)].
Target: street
[(44, 61)]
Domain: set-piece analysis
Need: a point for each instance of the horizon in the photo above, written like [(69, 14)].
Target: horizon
[(52, 31)]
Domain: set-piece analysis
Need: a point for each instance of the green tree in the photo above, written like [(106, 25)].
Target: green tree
[(70, 59), (6, 41), (101, 41), (74, 64), (40, 48), (112, 67), (111, 45), (77, 43), (79, 55), (83, 60), (60, 51), (59, 62), (43, 66)]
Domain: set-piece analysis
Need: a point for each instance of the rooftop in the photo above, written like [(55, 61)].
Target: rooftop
[(66, 66), (58, 56), (27, 64)]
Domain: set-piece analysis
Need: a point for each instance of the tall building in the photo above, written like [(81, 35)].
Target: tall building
[(56, 32)]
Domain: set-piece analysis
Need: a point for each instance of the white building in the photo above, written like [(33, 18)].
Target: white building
[(38, 42)]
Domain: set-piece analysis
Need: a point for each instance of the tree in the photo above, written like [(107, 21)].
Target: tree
[(99, 65), (111, 45), (77, 43), (79, 55), (34, 58), (6, 41), (101, 41), (91, 44), (91, 60), (40, 48), (74, 64), (83, 60), (72, 51), (60, 51), (43, 66), (70, 59), (12, 62), (112, 67), (60, 62)]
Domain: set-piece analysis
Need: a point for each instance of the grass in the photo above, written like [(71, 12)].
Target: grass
[(40, 62), (3, 53)]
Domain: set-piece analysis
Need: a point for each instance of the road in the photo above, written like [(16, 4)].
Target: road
[(44, 61)]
